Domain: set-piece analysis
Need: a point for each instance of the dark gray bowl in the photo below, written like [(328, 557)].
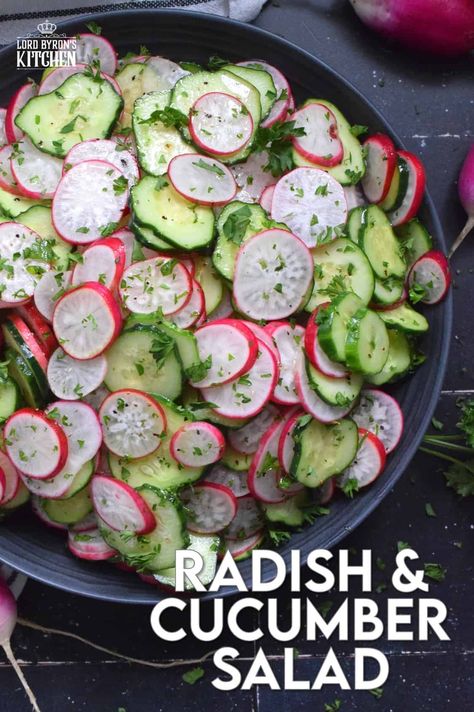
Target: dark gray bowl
[(39, 552)]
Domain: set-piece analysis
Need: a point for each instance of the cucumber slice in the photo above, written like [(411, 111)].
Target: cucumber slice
[(237, 222), (340, 260), (134, 80), (333, 323), (21, 372), (367, 343), (156, 550), (398, 362), (236, 460), (188, 89), (380, 245), (15, 342), (354, 222), (193, 401), (290, 512), (48, 121), (156, 205), (147, 237), (21, 498), (185, 341), (335, 391), (210, 283), (352, 167), (159, 469), (131, 363), (397, 186), (406, 319), (387, 291), (157, 144), (338, 442), (80, 480), (68, 511), (9, 398), (12, 205), (207, 546), (260, 79), (38, 218), (415, 239)]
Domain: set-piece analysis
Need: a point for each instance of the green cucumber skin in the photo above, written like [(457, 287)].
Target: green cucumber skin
[(354, 337)]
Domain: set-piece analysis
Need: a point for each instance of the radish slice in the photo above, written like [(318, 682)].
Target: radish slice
[(19, 247), (36, 445), (380, 414), (264, 470), (37, 505), (247, 396), (273, 275), (120, 506), (40, 328), (11, 479), (267, 197), (320, 143), (30, 340), (190, 314), (230, 347), (17, 102), (246, 439), (289, 341), (90, 48), (251, 177), (132, 423), (85, 525), (414, 192), (3, 136), (282, 104), (354, 196), (211, 507), (157, 283), (235, 481), (220, 123), (197, 444), (247, 521), (3, 484), (311, 203), (49, 289), (70, 379), (381, 161), (326, 491), (286, 443), (224, 310), (59, 75), (240, 547), (102, 149), (7, 179), (89, 545), (368, 462), (128, 239), (81, 426), (168, 71), (201, 179), (102, 262), (316, 354), (89, 201), (263, 334), (86, 321), (37, 174), (312, 403), (431, 272)]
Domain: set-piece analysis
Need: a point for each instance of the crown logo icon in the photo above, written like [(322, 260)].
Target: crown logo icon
[(47, 28)]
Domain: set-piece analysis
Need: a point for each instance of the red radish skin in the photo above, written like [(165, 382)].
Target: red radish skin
[(108, 254), (286, 443), (314, 351), (193, 311), (92, 548), (381, 162), (263, 483), (416, 187), (444, 27), (320, 144), (30, 458), (466, 196), (267, 197), (39, 326), (387, 307), (36, 174), (240, 547), (223, 475), (197, 444), (431, 271), (281, 106), (30, 340), (368, 463), (17, 102), (3, 484), (120, 506), (326, 491), (220, 124)]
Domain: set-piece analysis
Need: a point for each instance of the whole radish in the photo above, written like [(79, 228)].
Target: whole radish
[(8, 619), (444, 27), (466, 196)]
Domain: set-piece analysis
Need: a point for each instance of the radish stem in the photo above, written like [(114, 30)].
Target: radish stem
[(54, 631), (448, 445), (464, 232), (13, 662)]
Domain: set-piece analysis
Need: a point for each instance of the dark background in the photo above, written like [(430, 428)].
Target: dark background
[(430, 103)]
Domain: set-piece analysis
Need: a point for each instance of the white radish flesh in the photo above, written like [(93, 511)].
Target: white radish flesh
[(282, 104), (247, 521), (231, 349), (91, 47), (37, 446), (20, 248), (81, 426), (102, 262), (49, 289), (320, 142), (211, 507), (89, 545), (105, 150), (431, 273), (381, 162), (264, 471), (12, 480), (235, 481), (312, 403), (197, 444), (190, 314), (7, 179), (157, 283), (201, 179), (37, 174), (246, 439), (289, 341), (267, 197), (220, 123), (368, 462), (3, 137), (251, 177), (120, 506), (380, 413), (70, 379)]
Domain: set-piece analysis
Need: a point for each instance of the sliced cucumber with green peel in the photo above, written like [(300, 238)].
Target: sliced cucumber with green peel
[(21, 372), (415, 240), (388, 291), (322, 451), (10, 398), (236, 460), (202, 410), (80, 480), (340, 261), (398, 362), (333, 321), (367, 343), (210, 283), (354, 222), (157, 550), (68, 511), (391, 198), (16, 343), (207, 546), (38, 218), (290, 512), (335, 391), (157, 144), (131, 362), (405, 318), (380, 245), (147, 237), (83, 107), (157, 205), (134, 80), (12, 205), (260, 79)]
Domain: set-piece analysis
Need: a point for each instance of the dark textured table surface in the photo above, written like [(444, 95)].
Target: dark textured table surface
[(431, 105)]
